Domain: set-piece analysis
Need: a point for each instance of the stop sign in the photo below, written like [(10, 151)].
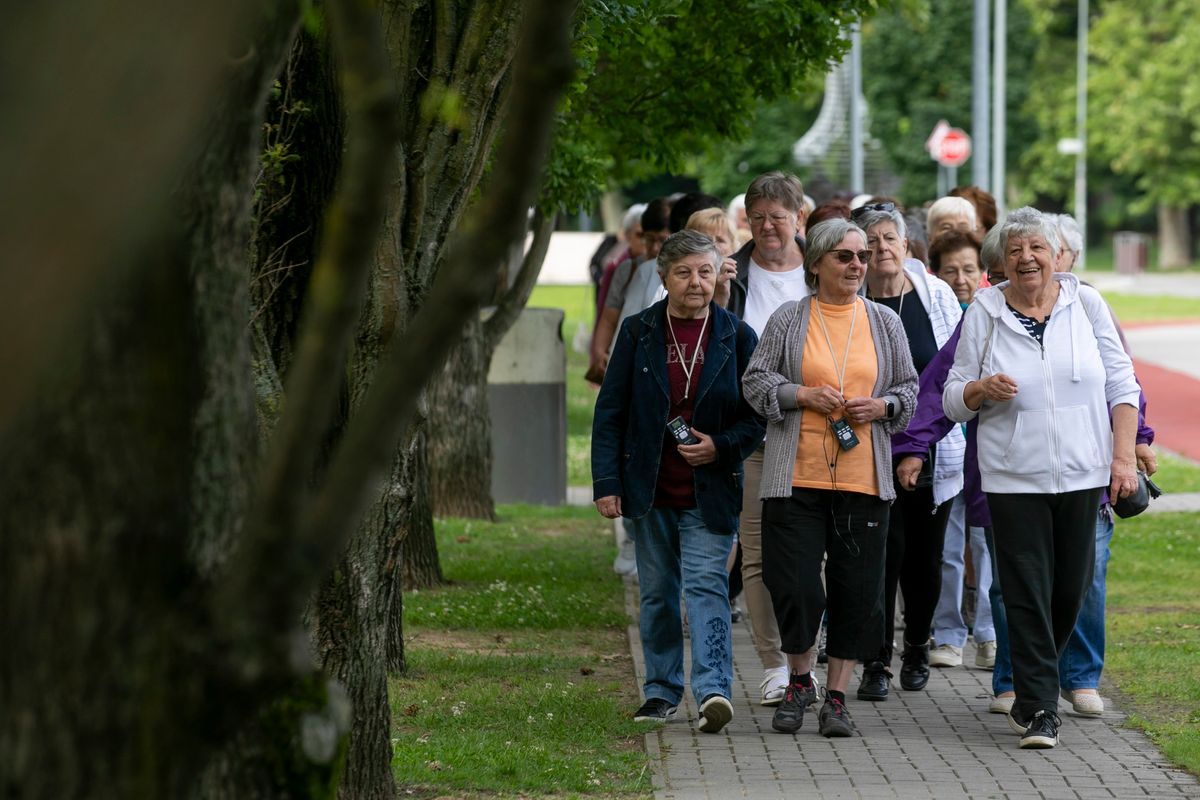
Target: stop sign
[(953, 148)]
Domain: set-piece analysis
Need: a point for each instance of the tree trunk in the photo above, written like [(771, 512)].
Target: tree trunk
[(460, 430), (122, 490), (460, 422), (421, 567), (1174, 237)]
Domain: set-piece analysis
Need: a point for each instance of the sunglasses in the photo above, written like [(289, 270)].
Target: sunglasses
[(870, 208), (846, 256)]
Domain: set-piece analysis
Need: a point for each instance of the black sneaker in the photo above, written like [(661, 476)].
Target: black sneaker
[(715, 713), (1042, 731), (874, 684), (789, 715), (914, 671), (834, 720), (655, 710)]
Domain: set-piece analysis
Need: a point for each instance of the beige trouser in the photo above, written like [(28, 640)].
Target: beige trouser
[(758, 599)]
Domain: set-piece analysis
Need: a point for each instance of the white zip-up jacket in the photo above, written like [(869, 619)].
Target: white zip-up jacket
[(944, 312), (1055, 436)]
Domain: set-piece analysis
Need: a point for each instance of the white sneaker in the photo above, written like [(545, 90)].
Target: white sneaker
[(626, 561), (985, 655), (774, 685), (1002, 705), (945, 655), (1084, 704)]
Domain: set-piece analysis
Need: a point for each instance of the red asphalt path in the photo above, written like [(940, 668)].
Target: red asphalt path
[(1172, 406)]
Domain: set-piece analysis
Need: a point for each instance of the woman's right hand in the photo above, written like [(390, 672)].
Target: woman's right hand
[(610, 506), (999, 388), (824, 399), (908, 470)]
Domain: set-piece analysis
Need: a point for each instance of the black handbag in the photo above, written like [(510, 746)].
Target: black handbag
[(925, 476)]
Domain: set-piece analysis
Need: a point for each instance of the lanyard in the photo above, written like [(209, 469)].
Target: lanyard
[(840, 369), (687, 368)]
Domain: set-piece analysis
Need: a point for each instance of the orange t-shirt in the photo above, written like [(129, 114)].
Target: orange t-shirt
[(820, 462)]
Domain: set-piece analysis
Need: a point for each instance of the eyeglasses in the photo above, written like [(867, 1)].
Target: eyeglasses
[(846, 256), (777, 218), (869, 208)]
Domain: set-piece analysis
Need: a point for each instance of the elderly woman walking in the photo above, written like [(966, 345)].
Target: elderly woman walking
[(1040, 363), (929, 312), (834, 378), (669, 435)]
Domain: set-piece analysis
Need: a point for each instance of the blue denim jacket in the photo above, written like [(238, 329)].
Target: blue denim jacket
[(630, 419)]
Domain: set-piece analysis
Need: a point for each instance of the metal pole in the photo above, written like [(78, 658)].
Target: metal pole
[(980, 119), (1081, 127), (999, 67), (856, 123)]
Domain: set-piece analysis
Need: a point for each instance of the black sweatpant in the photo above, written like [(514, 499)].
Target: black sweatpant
[(916, 536), (848, 529), (1045, 555)]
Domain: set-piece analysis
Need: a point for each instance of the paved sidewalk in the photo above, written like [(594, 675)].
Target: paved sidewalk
[(941, 742)]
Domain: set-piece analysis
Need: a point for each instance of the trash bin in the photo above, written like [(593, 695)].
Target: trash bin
[(1130, 252), (527, 396)]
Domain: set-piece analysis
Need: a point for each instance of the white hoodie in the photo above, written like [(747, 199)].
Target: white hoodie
[(1056, 435)]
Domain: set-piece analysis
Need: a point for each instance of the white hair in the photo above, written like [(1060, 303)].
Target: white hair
[(633, 217), (950, 207)]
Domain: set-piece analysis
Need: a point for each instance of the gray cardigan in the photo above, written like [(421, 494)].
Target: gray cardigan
[(773, 376)]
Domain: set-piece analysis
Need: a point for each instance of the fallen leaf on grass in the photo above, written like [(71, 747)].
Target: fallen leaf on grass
[(411, 711), (586, 671)]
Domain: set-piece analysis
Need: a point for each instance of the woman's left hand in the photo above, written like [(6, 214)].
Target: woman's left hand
[(1124, 478), (1147, 462), (699, 454), (865, 409)]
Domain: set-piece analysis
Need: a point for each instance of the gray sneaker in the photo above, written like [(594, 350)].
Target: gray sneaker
[(834, 720)]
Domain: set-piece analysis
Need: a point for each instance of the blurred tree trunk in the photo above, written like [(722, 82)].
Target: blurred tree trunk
[(1174, 237), (460, 428)]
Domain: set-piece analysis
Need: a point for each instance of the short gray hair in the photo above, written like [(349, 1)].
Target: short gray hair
[(1028, 221), (872, 218), (991, 254), (826, 235), (684, 243), (1068, 229), (781, 187)]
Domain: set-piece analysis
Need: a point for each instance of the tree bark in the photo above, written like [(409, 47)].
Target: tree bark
[(1174, 237), (460, 429)]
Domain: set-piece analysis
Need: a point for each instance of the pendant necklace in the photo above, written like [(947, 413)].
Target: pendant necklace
[(687, 368)]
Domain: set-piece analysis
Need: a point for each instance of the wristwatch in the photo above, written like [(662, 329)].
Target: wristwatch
[(889, 409)]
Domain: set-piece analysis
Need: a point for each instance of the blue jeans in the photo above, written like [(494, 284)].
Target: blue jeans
[(676, 551), (1082, 661), (949, 627)]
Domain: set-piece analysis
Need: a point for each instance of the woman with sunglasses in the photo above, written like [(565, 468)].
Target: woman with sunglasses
[(929, 311), (833, 376)]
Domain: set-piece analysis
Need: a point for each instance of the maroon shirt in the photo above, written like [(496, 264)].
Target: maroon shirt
[(675, 487)]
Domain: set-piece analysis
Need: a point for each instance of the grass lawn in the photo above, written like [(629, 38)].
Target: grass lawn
[(1152, 308), (1153, 651), (520, 682), (1177, 475)]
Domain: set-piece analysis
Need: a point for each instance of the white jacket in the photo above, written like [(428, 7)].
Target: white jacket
[(1056, 435), (944, 313)]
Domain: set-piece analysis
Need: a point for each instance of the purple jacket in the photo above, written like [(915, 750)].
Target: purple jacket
[(929, 425)]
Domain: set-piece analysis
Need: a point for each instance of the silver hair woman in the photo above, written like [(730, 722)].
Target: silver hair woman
[(834, 379), (1039, 362)]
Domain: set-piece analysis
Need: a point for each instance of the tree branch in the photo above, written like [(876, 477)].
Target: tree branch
[(275, 571), (509, 306), (543, 70)]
